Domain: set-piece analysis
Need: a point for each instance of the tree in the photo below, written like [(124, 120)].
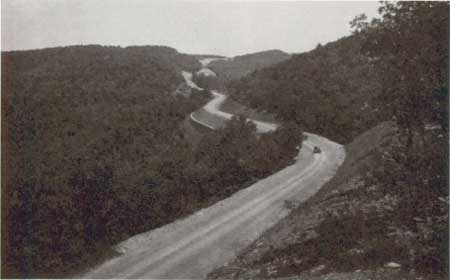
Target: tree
[(409, 45)]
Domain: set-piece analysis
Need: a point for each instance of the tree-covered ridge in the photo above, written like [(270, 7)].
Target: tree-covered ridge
[(330, 90), (392, 68), (239, 66), (71, 97), (396, 67), (77, 122), (93, 151)]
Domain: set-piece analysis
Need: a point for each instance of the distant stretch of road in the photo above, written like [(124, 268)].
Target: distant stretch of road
[(212, 107), (208, 239)]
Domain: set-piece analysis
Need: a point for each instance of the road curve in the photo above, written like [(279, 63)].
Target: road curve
[(213, 106), (211, 237)]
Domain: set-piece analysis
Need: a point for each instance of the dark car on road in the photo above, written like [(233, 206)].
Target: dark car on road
[(316, 150)]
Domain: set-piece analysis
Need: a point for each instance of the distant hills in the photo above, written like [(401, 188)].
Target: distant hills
[(93, 150), (239, 66), (201, 56)]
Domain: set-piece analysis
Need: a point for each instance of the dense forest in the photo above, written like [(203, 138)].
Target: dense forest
[(410, 47), (345, 87), (331, 90), (93, 151), (392, 68)]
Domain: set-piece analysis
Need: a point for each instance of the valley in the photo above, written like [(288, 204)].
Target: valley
[(195, 245), (324, 160)]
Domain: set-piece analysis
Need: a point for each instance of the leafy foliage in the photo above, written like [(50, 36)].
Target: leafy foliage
[(93, 152), (393, 68), (82, 127), (330, 90), (409, 44)]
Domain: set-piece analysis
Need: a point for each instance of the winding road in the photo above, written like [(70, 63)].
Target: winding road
[(211, 237), (212, 108)]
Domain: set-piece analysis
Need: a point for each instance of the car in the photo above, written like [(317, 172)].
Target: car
[(316, 150)]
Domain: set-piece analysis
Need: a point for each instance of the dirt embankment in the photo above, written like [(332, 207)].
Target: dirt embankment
[(348, 230)]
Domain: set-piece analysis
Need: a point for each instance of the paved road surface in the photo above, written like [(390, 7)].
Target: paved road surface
[(194, 246)]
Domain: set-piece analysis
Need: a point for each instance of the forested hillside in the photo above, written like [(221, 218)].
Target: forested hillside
[(331, 90), (346, 87), (393, 197), (76, 121), (93, 151), (239, 66)]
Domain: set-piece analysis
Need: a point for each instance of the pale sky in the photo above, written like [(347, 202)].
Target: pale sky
[(213, 27)]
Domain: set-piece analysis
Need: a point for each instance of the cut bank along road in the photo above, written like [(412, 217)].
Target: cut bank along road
[(194, 246)]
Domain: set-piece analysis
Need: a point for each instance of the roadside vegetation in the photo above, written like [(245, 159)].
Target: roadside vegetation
[(413, 169), (331, 91), (93, 151), (393, 207), (352, 228)]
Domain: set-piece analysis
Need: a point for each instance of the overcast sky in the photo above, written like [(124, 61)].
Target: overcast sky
[(214, 27)]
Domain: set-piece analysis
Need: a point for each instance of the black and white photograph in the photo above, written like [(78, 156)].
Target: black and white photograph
[(225, 139)]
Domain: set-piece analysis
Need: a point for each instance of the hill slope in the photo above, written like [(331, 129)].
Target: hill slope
[(93, 151), (352, 223), (80, 125), (239, 66), (389, 200), (74, 96), (331, 90)]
